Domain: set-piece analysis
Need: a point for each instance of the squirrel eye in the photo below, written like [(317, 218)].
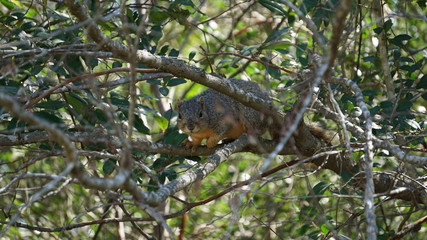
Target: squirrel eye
[(200, 114), (179, 116)]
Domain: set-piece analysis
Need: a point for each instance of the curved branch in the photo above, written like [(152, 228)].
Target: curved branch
[(310, 24), (70, 152), (78, 78), (383, 183), (172, 65), (155, 198)]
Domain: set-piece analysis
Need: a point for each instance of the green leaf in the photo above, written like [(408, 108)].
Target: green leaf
[(10, 87), (173, 53), (398, 40), (157, 15), (169, 114), (147, 109), (277, 34), (303, 229), (387, 25), (176, 82), (191, 55), (396, 54), (413, 124), (78, 103), (28, 25), (422, 83), (15, 123), (56, 16), (74, 62), (164, 50), (408, 83), (137, 175), (182, 2), (406, 59), (18, 15), (321, 16), (378, 30), (402, 37), (173, 137), (181, 165), (170, 174), (282, 51), (273, 6), (307, 212), (160, 163), (161, 121), (51, 105), (154, 82), (119, 101), (371, 93), (49, 117), (117, 64), (9, 5), (370, 58), (278, 45), (308, 5), (412, 68), (156, 33), (346, 176), (422, 4), (324, 228), (386, 106), (50, 146), (100, 116), (301, 48), (274, 72), (140, 126), (321, 187), (36, 69), (164, 91), (93, 62), (109, 166)]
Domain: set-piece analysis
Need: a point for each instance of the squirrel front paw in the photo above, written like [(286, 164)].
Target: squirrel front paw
[(189, 144), (212, 142)]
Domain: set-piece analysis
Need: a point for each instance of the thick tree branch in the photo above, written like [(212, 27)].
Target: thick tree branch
[(20, 139)]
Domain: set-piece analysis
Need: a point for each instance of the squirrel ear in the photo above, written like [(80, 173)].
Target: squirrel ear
[(201, 100), (178, 104)]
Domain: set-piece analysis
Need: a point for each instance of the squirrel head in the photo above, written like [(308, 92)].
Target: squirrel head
[(192, 116)]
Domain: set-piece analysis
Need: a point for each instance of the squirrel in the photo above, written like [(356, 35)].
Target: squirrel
[(214, 116)]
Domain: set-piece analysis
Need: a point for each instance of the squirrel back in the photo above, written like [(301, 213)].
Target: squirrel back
[(214, 116)]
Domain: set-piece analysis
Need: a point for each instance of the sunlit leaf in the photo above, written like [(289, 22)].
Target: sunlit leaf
[(161, 121), (9, 5)]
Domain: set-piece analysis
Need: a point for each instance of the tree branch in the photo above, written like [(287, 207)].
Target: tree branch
[(221, 155)]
